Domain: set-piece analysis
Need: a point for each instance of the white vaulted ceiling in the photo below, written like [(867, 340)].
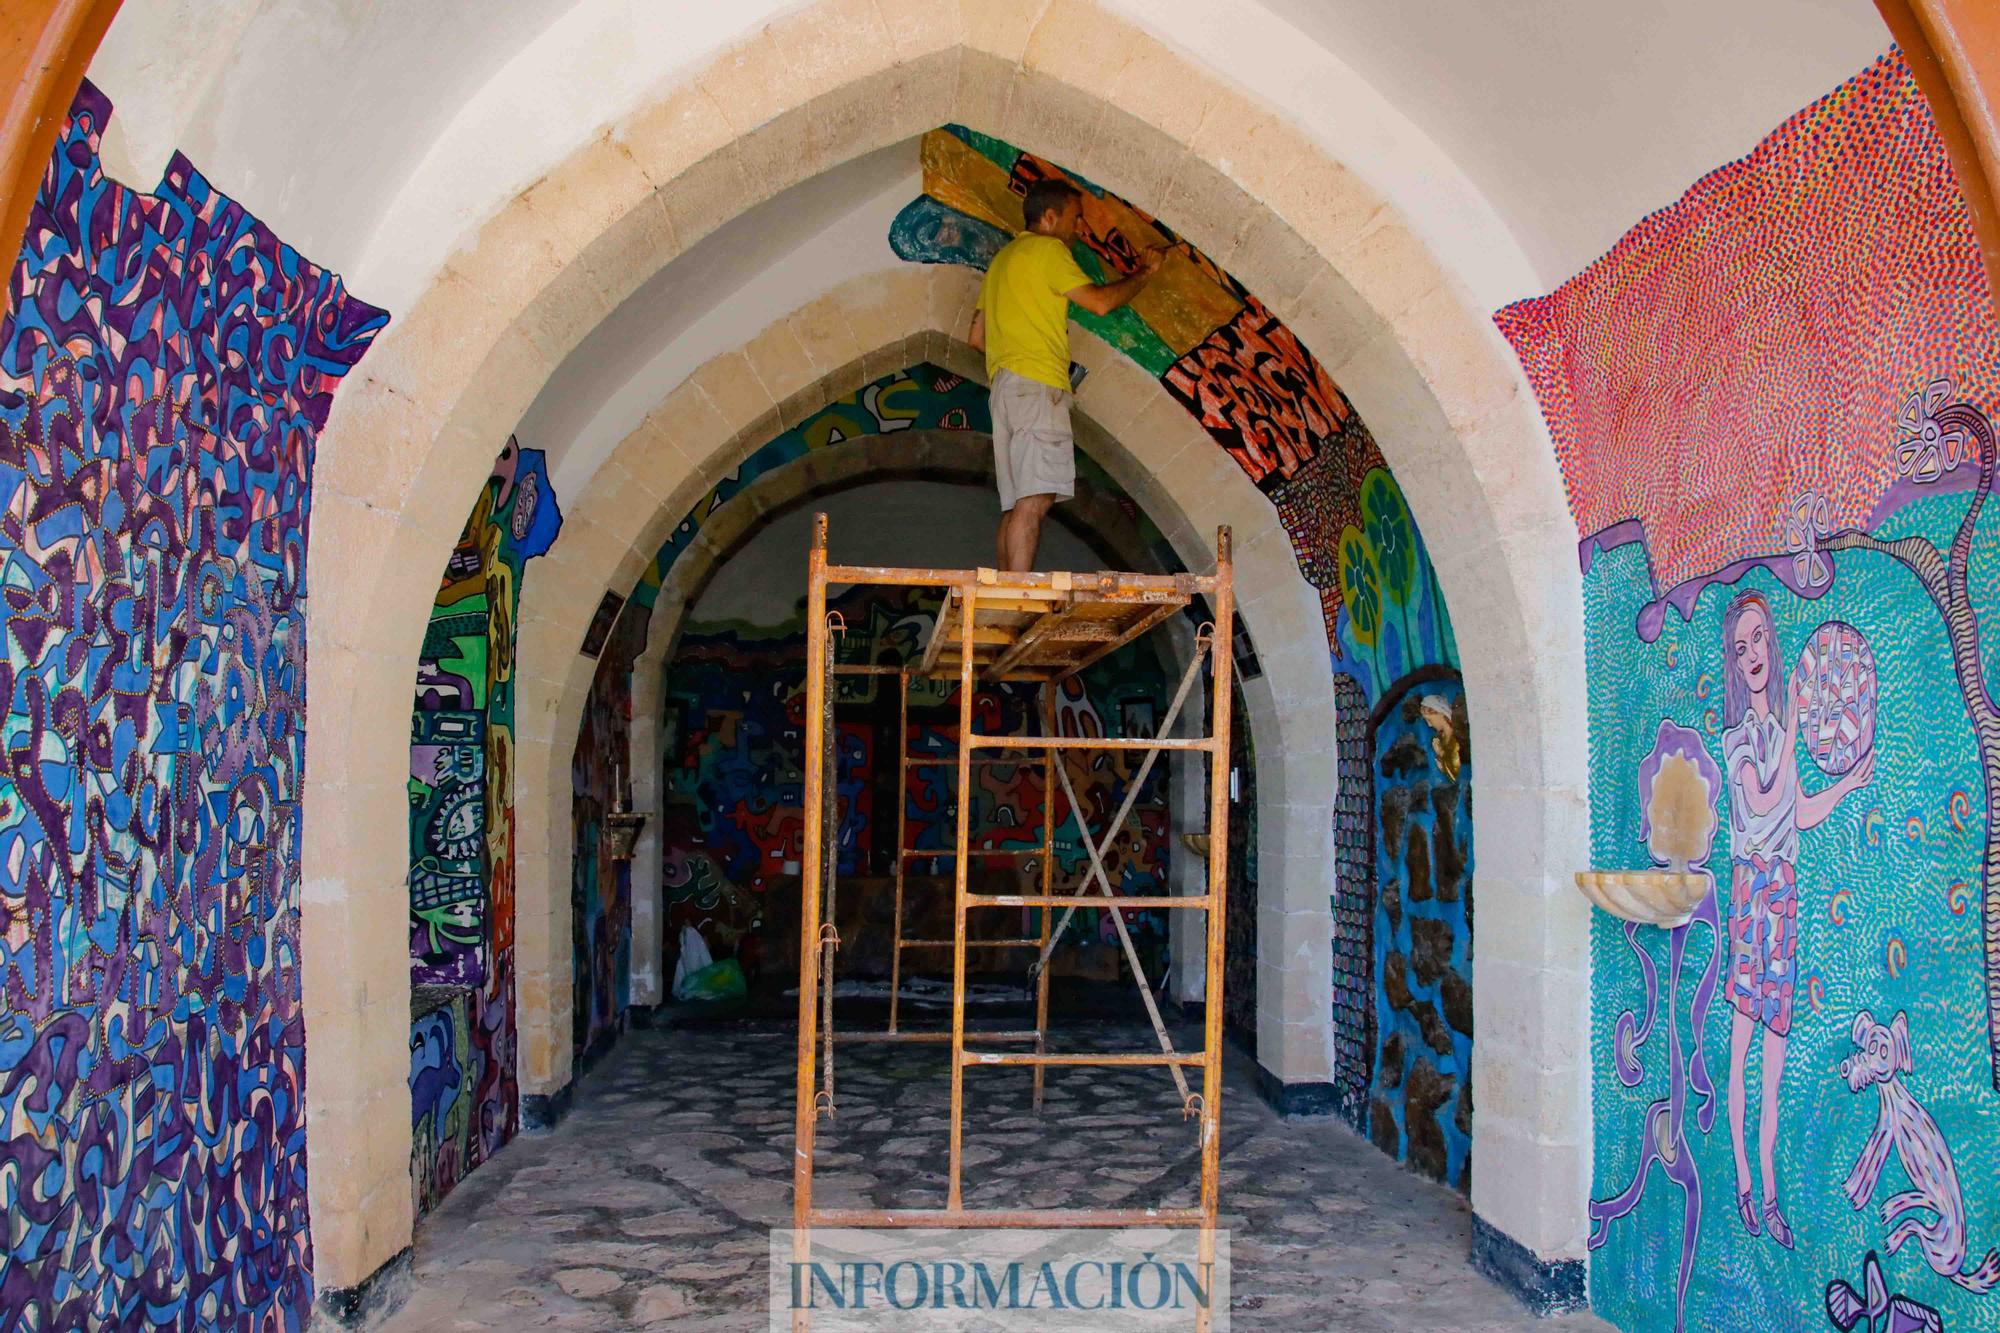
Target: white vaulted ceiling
[(1519, 139), (1569, 118), (1578, 117)]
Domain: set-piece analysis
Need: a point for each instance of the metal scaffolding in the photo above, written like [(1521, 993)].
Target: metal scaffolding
[(996, 626)]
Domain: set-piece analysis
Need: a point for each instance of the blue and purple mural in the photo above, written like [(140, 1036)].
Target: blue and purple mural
[(165, 366)]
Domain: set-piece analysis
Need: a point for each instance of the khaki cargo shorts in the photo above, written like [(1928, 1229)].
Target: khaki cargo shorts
[(1034, 452)]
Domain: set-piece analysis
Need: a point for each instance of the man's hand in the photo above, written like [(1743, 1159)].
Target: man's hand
[(977, 337), (1103, 298)]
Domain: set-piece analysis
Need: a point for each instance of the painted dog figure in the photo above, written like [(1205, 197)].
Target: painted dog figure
[(1905, 1126)]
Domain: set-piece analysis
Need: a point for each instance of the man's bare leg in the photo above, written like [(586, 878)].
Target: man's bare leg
[(1000, 540), (1021, 531)]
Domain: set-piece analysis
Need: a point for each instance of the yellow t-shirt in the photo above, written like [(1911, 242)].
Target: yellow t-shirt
[(1027, 311)]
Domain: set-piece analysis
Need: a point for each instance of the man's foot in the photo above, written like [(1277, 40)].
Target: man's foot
[(1748, 1210), (1781, 1230)]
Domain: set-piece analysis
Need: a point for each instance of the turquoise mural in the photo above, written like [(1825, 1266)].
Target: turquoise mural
[(1790, 578), (1879, 896)]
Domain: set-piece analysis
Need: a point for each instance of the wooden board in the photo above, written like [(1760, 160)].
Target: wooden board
[(1051, 628)]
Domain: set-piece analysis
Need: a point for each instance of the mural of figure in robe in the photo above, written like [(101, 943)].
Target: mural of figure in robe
[(1768, 809)]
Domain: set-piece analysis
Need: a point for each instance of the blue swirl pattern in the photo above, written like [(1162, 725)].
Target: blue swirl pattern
[(165, 366)]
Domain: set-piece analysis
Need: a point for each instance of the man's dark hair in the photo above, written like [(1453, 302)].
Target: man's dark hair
[(1046, 196)]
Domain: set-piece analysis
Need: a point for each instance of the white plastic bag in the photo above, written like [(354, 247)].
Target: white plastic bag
[(694, 957)]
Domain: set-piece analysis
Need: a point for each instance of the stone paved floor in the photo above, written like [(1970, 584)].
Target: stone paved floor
[(649, 1206)]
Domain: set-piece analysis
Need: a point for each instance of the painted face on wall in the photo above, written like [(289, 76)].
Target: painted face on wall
[(1750, 648)]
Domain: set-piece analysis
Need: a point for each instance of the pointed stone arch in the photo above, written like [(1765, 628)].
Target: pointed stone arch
[(409, 441)]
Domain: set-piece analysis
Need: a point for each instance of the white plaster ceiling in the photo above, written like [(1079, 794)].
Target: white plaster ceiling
[(313, 113), (374, 133), (722, 292), (1578, 117), (1519, 138)]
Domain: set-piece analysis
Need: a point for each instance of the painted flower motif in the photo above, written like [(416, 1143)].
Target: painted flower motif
[(1927, 450), (1386, 522), (1360, 586), (1806, 525)]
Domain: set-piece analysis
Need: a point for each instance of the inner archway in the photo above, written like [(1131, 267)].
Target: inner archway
[(728, 705), (923, 424)]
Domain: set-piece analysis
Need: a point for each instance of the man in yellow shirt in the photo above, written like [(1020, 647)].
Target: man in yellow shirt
[(1022, 324)]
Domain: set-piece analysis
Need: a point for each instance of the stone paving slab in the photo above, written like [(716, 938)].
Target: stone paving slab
[(648, 1207)]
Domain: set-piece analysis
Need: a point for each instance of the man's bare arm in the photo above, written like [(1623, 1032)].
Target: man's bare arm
[(978, 335), (1104, 297)]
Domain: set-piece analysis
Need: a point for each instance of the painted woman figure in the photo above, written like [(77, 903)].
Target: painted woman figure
[(1767, 812)]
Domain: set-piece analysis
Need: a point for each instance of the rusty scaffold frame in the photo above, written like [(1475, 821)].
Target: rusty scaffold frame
[(997, 626)]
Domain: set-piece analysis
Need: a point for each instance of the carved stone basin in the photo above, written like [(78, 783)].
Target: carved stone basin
[(1663, 898)]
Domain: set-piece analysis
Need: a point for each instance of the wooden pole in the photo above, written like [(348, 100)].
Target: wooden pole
[(954, 1192), (1048, 700), (1222, 654), (809, 875), (902, 834)]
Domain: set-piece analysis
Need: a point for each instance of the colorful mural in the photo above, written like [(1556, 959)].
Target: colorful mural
[(1239, 953), (1771, 403), (1420, 1108), (732, 823), (1233, 364), (464, 1103), (735, 695), (166, 363), (1353, 906), (601, 883), (1271, 406), (921, 397), (1679, 787), (708, 863)]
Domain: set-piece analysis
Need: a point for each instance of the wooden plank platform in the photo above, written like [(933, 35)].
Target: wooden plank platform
[(1045, 627)]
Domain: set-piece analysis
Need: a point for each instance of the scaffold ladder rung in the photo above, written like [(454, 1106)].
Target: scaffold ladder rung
[(1105, 1059), (970, 944)]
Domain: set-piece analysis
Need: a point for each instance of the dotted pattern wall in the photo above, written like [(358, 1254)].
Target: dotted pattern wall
[(1353, 906)]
